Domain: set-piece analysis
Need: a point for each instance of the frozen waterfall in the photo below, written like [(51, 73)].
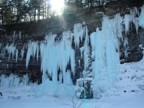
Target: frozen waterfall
[(58, 53)]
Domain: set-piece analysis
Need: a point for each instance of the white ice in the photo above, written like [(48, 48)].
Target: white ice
[(141, 17)]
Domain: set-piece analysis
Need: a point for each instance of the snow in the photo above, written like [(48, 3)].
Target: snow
[(44, 102), (28, 97), (132, 77)]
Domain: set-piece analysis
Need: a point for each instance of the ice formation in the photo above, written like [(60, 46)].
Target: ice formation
[(86, 54), (56, 52), (131, 18), (22, 53), (20, 36), (11, 50), (78, 33), (57, 55), (141, 17), (134, 13), (13, 81), (16, 55), (127, 20), (0, 45), (117, 27), (104, 44), (33, 51)]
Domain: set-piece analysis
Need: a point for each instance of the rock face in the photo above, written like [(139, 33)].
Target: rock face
[(141, 35), (14, 46), (135, 50)]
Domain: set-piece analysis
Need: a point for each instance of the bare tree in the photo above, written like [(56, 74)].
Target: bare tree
[(75, 102)]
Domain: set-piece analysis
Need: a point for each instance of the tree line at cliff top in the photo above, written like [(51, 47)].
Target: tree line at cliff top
[(17, 11)]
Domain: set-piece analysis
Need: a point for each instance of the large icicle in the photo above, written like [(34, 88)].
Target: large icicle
[(99, 63), (49, 57), (55, 55), (86, 53), (104, 44), (67, 54), (78, 34), (32, 51), (117, 26)]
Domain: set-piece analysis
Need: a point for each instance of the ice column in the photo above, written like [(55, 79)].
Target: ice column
[(104, 46)]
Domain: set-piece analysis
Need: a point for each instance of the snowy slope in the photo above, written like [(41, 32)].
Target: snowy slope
[(132, 77)]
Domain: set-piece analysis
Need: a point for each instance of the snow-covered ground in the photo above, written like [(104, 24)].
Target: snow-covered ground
[(127, 93), (125, 101)]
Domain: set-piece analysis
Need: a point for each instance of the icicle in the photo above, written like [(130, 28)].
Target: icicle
[(127, 20), (141, 17), (135, 21), (20, 35), (86, 50), (118, 26), (44, 60), (0, 45), (9, 81), (11, 49), (16, 55), (32, 51), (78, 34), (72, 59), (29, 53), (68, 53), (134, 13), (92, 38), (82, 51), (37, 53), (22, 53), (14, 34)]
